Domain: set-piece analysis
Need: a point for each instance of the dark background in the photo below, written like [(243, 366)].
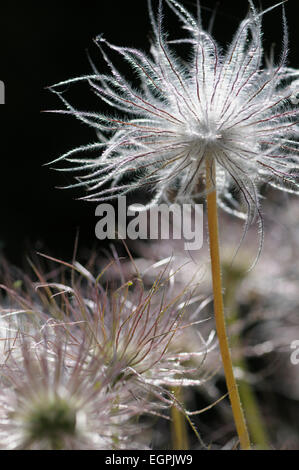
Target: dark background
[(42, 43)]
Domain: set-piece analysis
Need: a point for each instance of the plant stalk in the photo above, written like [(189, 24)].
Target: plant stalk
[(219, 308), (178, 425)]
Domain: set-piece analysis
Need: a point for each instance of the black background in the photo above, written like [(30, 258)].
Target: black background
[(42, 43)]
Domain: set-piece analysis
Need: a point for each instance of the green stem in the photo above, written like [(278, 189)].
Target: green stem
[(178, 425), (218, 306)]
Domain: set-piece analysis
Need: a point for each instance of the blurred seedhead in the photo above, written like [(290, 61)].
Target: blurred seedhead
[(86, 354)]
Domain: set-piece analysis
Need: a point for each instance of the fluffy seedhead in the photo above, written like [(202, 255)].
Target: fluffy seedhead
[(50, 399), (83, 358), (225, 106)]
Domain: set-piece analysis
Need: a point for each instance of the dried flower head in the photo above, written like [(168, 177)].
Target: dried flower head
[(221, 106), (51, 400), (83, 357), (131, 328)]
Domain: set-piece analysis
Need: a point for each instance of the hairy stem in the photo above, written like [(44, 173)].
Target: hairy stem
[(218, 306)]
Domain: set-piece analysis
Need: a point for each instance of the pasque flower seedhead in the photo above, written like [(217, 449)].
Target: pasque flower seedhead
[(224, 106)]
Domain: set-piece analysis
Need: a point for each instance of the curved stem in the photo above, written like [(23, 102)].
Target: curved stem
[(218, 306)]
